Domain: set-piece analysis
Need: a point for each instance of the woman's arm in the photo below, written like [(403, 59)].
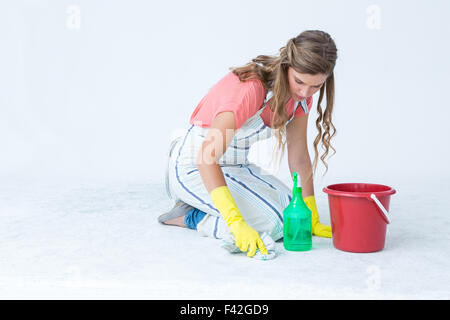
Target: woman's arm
[(216, 142), (300, 162), (298, 155), (214, 146)]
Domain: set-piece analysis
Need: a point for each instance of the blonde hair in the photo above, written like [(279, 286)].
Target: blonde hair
[(311, 52)]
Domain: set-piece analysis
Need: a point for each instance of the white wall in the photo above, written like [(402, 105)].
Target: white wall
[(98, 92)]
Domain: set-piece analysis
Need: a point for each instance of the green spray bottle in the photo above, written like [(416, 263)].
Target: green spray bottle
[(297, 222)]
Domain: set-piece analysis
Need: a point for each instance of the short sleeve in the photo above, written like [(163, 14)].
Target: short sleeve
[(302, 109), (244, 99)]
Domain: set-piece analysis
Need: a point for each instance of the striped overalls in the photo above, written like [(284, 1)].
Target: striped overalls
[(260, 197)]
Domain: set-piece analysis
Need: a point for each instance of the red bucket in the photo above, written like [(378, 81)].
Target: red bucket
[(359, 215)]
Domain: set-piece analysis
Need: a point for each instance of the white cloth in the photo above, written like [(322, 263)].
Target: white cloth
[(260, 197), (228, 243)]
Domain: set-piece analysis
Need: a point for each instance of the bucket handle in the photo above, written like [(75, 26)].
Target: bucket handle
[(385, 214)]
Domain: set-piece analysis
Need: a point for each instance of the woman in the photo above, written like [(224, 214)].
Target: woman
[(215, 189)]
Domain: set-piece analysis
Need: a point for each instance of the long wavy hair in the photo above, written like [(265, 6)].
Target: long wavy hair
[(311, 52)]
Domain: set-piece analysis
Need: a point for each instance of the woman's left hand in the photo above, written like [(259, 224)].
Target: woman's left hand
[(318, 229)]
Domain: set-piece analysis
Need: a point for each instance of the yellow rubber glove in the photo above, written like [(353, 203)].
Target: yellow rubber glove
[(317, 228), (246, 237)]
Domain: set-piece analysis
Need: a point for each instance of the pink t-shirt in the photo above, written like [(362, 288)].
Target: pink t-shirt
[(243, 98)]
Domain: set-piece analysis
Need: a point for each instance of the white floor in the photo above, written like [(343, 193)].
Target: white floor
[(101, 240)]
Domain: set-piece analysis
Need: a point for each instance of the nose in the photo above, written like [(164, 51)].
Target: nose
[(303, 94), (306, 92)]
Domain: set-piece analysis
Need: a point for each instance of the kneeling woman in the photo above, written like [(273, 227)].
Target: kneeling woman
[(215, 188)]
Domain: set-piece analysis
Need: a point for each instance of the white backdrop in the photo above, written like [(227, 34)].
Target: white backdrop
[(96, 88)]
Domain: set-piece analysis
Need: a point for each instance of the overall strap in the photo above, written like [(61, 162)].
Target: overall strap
[(302, 104), (269, 95)]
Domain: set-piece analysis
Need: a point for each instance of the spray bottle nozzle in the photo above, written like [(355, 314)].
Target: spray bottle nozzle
[(295, 188)]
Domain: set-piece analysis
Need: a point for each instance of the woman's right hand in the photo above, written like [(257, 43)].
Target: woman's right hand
[(246, 237)]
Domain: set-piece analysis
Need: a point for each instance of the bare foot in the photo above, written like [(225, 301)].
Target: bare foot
[(179, 222)]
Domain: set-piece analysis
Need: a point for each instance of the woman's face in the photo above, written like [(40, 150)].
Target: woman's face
[(304, 85)]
